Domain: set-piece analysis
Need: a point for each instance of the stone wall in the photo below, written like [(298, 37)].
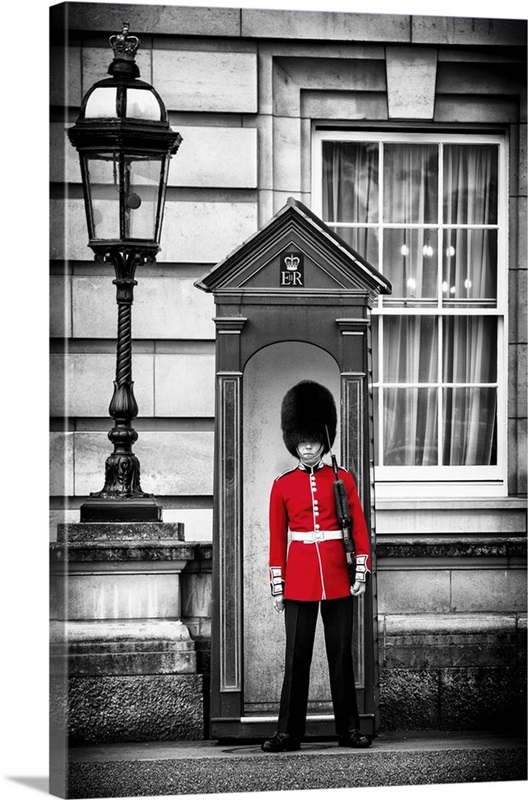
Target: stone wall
[(245, 100), (452, 632)]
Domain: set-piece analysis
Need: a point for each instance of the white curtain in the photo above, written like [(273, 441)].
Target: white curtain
[(351, 192), (412, 257), (410, 414), (470, 275)]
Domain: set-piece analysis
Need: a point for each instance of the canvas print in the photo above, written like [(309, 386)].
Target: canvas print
[(288, 399)]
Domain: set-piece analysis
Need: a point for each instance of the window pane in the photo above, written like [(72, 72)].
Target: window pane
[(470, 435), (375, 409), (470, 265), (375, 323), (142, 180), (410, 349), (410, 174), (410, 418), (350, 182), (142, 104), (363, 240), (102, 103), (102, 173), (470, 184), (410, 262), (470, 350)]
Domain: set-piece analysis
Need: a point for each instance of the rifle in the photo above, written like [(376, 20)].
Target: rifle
[(343, 513)]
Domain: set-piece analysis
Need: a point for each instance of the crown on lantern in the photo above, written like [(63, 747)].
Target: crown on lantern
[(124, 46)]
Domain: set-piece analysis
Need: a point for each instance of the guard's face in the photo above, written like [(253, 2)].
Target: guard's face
[(310, 451)]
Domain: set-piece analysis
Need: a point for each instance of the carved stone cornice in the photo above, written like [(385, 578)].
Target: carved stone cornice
[(348, 326), (118, 552), (435, 547), (226, 325)]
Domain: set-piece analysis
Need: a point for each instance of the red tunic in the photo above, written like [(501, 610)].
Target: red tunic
[(303, 500)]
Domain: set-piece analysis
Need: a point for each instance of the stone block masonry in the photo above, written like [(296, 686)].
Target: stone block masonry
[(123, 663), (130, 708), (452, 641)]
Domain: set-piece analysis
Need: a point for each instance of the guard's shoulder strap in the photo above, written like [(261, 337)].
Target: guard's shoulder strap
[(349, 473), (286, 472)]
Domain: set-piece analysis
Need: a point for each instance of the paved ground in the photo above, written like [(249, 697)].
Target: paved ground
[(170, 768)]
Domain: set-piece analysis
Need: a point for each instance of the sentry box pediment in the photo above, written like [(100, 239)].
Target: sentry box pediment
[(294, 256)]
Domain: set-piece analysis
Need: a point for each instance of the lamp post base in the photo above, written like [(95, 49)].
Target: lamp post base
[(125, 509)]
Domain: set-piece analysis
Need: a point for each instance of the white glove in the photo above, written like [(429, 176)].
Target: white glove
[(358, 588), (278, 603)]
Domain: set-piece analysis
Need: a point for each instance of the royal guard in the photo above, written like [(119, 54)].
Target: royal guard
[(319, 557)]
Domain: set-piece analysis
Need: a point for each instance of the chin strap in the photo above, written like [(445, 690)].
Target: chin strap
[(317, 457)]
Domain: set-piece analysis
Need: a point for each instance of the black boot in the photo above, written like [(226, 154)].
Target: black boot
[(280, 743), (354, 738)]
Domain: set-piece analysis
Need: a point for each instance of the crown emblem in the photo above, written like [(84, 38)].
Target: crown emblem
[(124, 46), (292, 262)]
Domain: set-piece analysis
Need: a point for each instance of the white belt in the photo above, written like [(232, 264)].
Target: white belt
[(310, 537)]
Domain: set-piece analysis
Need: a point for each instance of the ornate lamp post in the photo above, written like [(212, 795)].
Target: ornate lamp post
[(125, 144)]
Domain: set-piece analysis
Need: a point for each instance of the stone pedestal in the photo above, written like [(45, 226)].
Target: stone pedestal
[(123, 664)]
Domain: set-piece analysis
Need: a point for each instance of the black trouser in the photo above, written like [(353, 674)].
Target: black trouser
[(300, 621)]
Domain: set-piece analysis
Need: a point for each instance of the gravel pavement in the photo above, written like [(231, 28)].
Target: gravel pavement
[(170, 768)]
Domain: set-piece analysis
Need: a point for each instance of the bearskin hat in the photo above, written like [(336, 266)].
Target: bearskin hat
[(305, 411)]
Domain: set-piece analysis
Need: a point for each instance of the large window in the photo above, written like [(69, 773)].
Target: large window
[(428, 212)]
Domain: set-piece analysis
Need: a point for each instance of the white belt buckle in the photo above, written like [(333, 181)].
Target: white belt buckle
[(318, 536)]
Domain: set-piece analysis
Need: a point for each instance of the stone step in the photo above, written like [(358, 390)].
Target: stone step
[(395, 759)]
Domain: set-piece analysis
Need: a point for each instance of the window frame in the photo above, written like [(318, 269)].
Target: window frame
[(436, 481)]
